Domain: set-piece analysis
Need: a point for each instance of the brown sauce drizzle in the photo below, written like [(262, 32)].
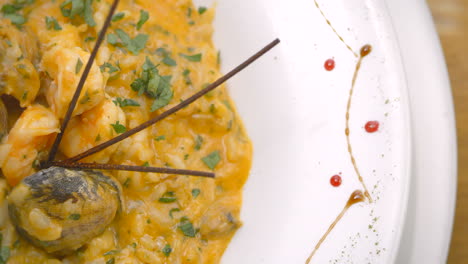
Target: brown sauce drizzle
[(334, 30), (356, 197), (365, 50)]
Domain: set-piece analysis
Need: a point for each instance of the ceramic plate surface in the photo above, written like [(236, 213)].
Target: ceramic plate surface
[(295, 112)]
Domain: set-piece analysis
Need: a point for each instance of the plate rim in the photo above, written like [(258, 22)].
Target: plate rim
[(411, 27)]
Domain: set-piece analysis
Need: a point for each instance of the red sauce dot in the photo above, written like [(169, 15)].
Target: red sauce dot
[(329, 64), (372, 126), (335, 180)]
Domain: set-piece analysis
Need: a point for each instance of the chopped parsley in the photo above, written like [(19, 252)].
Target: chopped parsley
[(167, 250), (81, 8), (187, 227), (212, 159), (125, 102), (111, 68), (52, 23), (227, 104), (146, 164), (4, 254), (172, 211), (15, 19), (198, 142), (134, 45), (159, 138), (186, 156), (111, 261), (166, 57), (126, 184), (74, 217), (118, 16), (144, 16), (194, 58), (111, 252), (119, 128), (202, 10), (195, 193), (154, 85), (79, 65), (186, 74), (88, 39), (168, 197)]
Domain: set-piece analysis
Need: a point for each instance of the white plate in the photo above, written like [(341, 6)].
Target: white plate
[(294, 111)]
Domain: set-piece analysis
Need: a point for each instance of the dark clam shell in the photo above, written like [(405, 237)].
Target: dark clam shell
[(59, 210)]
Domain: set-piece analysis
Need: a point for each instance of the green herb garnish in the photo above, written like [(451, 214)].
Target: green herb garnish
[(15, 19), (167, 250), (195, 193), (198, 142), (74, 217), (186, 74), (125, 102), (78, 66), (118, 16), (172, 211), (187, 227), (52, 23), (144, 16), (202, 10), (159, 138), (168, 197), (194, 58), (166, 57), (111, 261), (111, 68), (212, 159), (4, 254), (111, 252), (134, 45), (119, 128), (153, 85), (82, 8)]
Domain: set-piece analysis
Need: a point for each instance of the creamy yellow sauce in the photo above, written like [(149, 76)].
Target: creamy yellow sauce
[(40, 67)]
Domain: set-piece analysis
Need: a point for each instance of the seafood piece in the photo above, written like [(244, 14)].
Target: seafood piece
[(59, 210), (18, 56), (31, 135), (66, 74), (91, 128)]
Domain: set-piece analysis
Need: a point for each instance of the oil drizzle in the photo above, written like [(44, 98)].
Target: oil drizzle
[(334, 30), (356, 197), (365, 50)]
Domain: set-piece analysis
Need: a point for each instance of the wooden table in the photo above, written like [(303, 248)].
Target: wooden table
[(452, 24)]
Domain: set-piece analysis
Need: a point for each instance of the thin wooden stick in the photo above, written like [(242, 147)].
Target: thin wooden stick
[(84, 76), (177, 107), (100, 166)]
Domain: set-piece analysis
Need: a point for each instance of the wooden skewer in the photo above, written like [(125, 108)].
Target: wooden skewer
[(84, 76), (100, 166), (176, 108)]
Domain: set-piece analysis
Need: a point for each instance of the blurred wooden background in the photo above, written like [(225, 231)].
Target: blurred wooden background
[(452, 24)]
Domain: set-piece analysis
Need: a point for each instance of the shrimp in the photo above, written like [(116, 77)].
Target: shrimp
[(31, 135), (91, 128), (65, 75), (18, 56)]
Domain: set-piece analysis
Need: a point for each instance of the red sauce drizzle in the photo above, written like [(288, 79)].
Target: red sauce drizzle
[(372, 126), (329, 64), (335, 180)]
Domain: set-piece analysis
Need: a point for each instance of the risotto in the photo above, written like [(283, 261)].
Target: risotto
[(44, 46)]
